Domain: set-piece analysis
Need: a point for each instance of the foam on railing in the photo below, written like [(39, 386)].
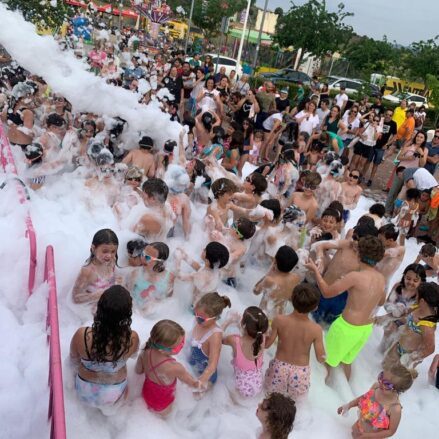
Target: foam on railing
[(56, 413), (8, 164)]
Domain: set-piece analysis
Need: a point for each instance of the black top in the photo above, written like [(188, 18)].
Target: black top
[(389, 128), (282, 104)]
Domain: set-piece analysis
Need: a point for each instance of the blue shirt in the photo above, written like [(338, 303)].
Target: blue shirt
[(432, 151)]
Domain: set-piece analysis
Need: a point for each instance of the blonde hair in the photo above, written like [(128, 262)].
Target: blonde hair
[(213, 304), (402, 378), (165, 333)]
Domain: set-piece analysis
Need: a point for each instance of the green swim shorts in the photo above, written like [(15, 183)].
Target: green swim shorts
[(345, 341)]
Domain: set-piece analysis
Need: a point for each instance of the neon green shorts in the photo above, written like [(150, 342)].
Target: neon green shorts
[(345, 341)]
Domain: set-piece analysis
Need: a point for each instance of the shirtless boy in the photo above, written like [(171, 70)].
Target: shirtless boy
[(277, 284), (254, 186), (155, 224), (351, 191), (306, 200), (429, 255), (289, 372), (344, 261), (223, 190), (394, 252), (349, 333), (143, 157)]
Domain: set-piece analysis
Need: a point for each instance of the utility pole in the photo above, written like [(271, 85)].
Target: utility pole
[(189, 27), (258, 45), (241, 43)]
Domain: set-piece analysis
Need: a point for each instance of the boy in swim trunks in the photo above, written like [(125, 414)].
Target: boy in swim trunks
[(349, 333), (289, 372)]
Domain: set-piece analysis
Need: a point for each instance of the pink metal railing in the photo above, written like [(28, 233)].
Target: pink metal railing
[(56, 413), (8, 164)]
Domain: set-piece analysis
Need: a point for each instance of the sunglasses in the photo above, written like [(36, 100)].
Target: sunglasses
[(436, 136), (138, 180), (354, 112), (311, 187), (356, 177), (107, 170)]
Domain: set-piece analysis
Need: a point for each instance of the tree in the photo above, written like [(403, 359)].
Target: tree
[(369, 55), (423, 59), (43, 13), (314, 29), (279, 11), (432, 83)]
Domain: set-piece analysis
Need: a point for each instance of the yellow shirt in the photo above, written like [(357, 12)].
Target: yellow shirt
[(399, 116)]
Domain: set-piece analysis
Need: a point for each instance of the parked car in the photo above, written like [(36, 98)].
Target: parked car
[(397, 97), (353, 85), (286, 75), (224, 61)]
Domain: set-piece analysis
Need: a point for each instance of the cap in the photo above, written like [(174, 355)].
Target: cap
[(284, 90)]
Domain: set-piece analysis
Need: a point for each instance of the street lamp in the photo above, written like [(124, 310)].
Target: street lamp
[(241, 43)]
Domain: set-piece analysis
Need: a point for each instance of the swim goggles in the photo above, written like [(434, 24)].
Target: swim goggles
[(174, 350), (385, 384), (200, 319), (235, 228)]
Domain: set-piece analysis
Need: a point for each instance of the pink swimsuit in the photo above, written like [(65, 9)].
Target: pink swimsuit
[(101, 283), (248, 375), (158, 396)]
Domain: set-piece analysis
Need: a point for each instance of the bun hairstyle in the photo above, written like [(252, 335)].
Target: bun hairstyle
[(163, 255), (213, 304), (255, 323), (165, 333)]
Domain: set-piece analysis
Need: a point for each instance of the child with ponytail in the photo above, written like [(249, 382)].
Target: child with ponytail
[(248, 351)]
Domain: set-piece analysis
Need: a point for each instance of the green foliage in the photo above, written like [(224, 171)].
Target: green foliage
[(41, 12), (313, 28), (369, 55), (433, 100), (423, 59)]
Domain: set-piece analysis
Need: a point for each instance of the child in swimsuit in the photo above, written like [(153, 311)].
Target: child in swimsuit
[(416, 339), (402, 297), (206, 337), (161, 370), (151, 282), (206, 278), (289, 372), (248, 351), (379, 408), (99, 273), (276, 414)]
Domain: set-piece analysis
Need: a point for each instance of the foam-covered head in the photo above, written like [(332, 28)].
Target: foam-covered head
[(177, 178), (33, 151), (294, 215), (94, 149), (104, 158), (21, 90)]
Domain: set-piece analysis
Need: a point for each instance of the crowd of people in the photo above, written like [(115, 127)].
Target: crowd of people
[(265, 182)]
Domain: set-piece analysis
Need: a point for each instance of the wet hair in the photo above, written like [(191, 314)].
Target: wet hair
[(217, 254), (237, 140), (55, 119), (312, 178), (111, 329), (259, 182), (412, 194), (223, 186), (418, 269), (331, 212), (366, 220), (199, 170), (305, 298), (102, 237), (402, 378), (245, 227), (281, 412), (207, 119), (428, 250), (255, 323), (163, 255), (336, 205), (219, 135), (135, 247), (89, 123), (156, 188), (377, 209), (274, 206), (34, 152), (213, 304), (370, 250), (429, 292), (286, 258), (389, 231), (146, 143), (164, 333)]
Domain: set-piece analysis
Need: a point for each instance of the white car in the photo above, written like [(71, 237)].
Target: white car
[(397, 97), (224, 61), (352, 86)]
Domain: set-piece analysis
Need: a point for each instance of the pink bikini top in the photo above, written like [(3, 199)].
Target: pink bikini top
[(241, 362)]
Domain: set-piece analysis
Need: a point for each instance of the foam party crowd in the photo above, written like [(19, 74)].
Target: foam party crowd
[(220, 272)]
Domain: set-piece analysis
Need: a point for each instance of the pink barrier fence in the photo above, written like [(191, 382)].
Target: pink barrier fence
[(56, 412), (8, 164)]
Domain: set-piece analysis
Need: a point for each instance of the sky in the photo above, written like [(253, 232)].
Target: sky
[(400, 20)]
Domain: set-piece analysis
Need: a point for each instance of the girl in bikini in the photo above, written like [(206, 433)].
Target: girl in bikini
[(151, 282), (206, 338), (379, 408), (416, 339), (248, 351), (99, 272), (161, 370)]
